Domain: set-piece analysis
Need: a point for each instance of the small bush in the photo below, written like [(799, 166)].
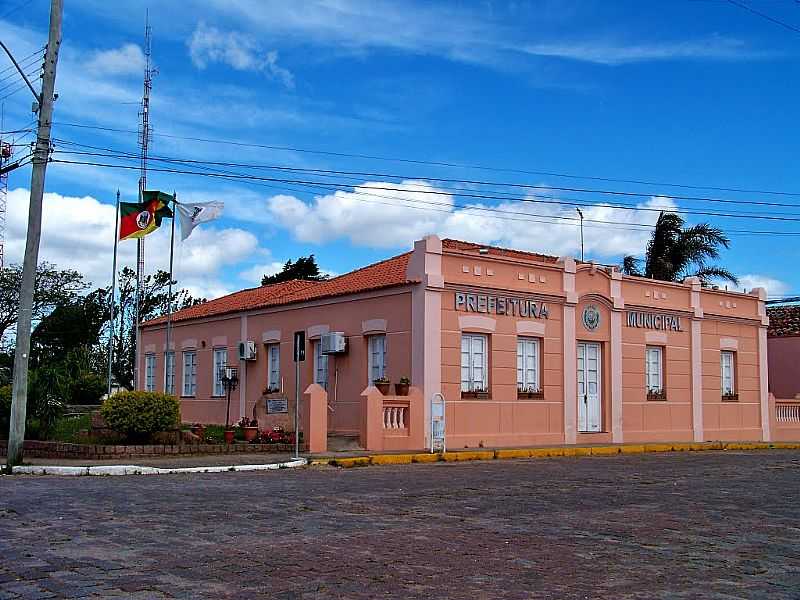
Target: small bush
[(140, 414), (87, 388)]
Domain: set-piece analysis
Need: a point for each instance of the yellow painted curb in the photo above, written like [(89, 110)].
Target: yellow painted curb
[(605, 450), (392, 459), (658, 447), (512, 453), (359, 461), (426, 458), (469, 455)]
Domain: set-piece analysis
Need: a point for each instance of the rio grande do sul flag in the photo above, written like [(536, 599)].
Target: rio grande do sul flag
[(138, 219)]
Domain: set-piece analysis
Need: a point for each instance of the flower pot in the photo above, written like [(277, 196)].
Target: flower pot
[(250, 433), (383, 388), (401, 389), (229, 436)]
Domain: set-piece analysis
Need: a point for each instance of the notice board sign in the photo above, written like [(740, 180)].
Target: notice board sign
[(277, 406)]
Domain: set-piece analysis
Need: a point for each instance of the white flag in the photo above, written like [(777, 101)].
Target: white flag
[(192, 214)]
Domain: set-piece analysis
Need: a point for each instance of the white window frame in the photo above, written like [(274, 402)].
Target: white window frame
[(528, 364), (654, 377), (220, 360), (169, 372), (474, 362), (189, 388), (150, 372), (729, 386), (274, 366), (320, 365), (376, 357)]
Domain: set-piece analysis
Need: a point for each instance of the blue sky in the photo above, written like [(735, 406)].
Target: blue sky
[(697, 92)]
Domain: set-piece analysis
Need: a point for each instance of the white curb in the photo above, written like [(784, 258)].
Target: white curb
[(142, 470)]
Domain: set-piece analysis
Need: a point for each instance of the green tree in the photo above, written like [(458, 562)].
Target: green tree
[(675, 252), (53, 287), (304, 267), (154, 303)]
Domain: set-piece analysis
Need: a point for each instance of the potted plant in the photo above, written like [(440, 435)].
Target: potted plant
[(249, 429), (228, 433), (730, 397), (529, 393), (382, 383), (401, 387), (271, 390), (656, 394)]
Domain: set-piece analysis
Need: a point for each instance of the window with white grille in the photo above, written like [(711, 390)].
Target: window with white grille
[(320, 365), (189, 373), (728, 378), (474, 348), (169, 372), (274, 367), (150, 372), (220, 360), (528, 364), (377, 357), (654, 367)]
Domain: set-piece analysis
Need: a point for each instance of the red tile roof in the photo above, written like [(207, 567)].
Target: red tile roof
[(449, 244), (783, 320), (387, 273)]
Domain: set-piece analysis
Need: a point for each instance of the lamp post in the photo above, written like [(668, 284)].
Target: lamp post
[(229, 377), (580, 214)]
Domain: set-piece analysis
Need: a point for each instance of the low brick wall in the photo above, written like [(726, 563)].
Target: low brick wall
[(37, 449)]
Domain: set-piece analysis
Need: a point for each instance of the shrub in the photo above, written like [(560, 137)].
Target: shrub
[(5, 410), (87, 388), (140, 414)]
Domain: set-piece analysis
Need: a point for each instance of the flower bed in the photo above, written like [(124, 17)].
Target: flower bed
[(38, 449)]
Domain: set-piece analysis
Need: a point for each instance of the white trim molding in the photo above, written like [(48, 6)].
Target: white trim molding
[(477, 323), (371, 326), (273, 336)]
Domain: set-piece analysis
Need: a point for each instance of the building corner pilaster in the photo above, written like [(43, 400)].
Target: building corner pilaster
[(570, 352)]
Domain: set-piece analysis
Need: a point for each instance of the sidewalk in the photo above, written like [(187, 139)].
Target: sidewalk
[(353, 458)]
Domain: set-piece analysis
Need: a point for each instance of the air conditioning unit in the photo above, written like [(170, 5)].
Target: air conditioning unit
[(247, 350), (333, 343)]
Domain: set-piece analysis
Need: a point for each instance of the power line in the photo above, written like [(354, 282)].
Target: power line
[(783, 24), (328, 172), (437, 163), (432, 192), (540, 198)]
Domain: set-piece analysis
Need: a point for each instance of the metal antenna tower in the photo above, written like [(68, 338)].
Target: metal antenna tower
[(145, 137), (5, 156)]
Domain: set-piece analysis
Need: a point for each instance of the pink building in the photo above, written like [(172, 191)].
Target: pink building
[(783, 341), (525, 349)]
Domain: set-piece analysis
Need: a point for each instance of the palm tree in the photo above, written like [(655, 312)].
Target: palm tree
[(675, 252)]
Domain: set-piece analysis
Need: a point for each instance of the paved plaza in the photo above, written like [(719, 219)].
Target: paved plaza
[(690, 525)]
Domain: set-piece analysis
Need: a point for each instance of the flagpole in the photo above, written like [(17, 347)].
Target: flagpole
[(169, 292), (113, 295)]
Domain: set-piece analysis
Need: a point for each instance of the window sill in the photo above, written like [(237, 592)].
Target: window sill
[(730, 397), (476, 396), (656, 396), (530, 395)]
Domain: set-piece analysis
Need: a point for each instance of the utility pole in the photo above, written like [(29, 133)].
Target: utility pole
[(580, 214), (41, 154)]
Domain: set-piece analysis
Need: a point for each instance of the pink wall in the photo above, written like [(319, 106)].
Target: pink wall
[(424, 328), (784, 358), (388, 311)]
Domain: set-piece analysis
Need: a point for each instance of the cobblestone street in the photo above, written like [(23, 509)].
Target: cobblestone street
[(694, 525)]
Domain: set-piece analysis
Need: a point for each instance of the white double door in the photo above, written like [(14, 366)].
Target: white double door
[(589, 387)]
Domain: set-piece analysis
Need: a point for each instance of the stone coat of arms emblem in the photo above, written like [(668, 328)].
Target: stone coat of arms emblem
[(591, 317)]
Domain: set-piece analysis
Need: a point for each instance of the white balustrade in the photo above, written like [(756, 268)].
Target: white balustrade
[(787, 412), (394, 417)]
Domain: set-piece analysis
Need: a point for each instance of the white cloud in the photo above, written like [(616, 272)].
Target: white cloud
[(388, 219), (125, 60), (617, 53), (774, 287), (78, 233), (254, 274), (238, 50)]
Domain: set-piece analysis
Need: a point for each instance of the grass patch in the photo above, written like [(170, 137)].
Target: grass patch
[(215, 434), (66, 429)]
